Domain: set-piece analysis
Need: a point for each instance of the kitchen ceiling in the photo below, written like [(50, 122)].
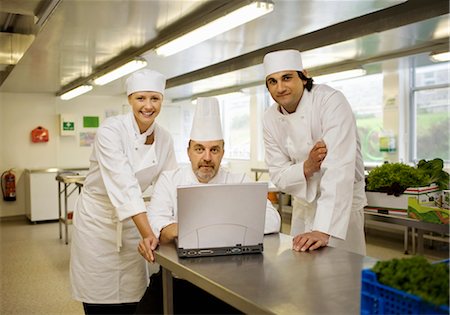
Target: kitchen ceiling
[(49, 45)]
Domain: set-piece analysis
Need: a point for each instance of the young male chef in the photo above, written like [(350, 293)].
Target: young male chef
[(313, 152), (205, 151)]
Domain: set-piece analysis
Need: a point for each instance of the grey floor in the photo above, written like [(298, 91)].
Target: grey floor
[(34, 265)]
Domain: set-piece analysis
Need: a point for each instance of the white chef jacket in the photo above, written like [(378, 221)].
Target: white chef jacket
[(105, 266), (334, 194), (162, 209)]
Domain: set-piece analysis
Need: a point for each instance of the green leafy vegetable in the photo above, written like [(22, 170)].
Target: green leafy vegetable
[(416, 276), (394, 178), (434, 169)]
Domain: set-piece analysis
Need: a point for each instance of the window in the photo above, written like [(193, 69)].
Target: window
[(177, 119), (235, 111), (430, 107), (263, 102), (365, 95)]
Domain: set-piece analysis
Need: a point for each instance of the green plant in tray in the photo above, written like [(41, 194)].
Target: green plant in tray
[(395, 178), (435, 170), (416, 276)]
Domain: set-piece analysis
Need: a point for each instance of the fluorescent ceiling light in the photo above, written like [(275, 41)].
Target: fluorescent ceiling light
[(439, 57), (225, 23), (340, 75), (121, 71), (76, 92)]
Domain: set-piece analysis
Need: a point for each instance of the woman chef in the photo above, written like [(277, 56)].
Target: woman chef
[(130, 151)]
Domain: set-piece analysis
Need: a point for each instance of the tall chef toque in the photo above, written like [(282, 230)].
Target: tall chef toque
[(282, 60), (206, 125), (146, 80)]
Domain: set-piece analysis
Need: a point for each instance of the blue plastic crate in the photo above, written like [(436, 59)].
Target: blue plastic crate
[(377, 298)]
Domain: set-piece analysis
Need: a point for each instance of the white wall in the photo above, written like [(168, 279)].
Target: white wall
[(20, 113)]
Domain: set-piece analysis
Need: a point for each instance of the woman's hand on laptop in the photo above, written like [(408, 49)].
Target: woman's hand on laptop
[(310, 241), (169, 233)]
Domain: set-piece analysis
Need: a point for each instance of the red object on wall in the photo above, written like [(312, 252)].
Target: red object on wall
[(8, 183), (39, 134)]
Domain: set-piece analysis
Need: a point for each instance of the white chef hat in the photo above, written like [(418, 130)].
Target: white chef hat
[(282, 60), (206, 125), (146, 80)]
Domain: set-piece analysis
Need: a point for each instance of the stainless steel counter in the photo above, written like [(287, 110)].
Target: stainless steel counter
[(279, 281), (40, 199), (57, 170), (65, 181), (68, 183), (415, 225)]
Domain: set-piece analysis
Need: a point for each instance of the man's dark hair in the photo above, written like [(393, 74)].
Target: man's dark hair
[(309, 81)]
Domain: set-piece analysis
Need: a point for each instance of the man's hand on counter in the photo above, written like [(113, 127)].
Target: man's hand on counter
[(310, 241)]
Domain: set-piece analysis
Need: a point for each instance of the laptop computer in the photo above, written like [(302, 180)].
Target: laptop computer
[(221, 219)]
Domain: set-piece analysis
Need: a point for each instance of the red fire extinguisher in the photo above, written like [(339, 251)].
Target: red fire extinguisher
[(8, 183)]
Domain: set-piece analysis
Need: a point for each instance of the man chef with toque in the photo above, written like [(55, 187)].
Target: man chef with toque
[(313, 152), (205, 151)]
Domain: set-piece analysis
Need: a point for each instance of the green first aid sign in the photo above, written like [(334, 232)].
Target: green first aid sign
[(68, 126)]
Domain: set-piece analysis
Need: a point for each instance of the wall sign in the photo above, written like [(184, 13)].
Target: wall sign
[(67, 125), (90, 121)]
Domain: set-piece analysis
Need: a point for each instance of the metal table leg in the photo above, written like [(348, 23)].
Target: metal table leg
[(280, 202), (419, 241), (65, 213), (405, 240), (167, 281), (59, 209)]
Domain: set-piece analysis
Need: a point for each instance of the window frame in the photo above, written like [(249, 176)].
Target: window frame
[(413, 89)]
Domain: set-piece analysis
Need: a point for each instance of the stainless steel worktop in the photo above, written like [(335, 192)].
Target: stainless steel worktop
[(40, 199), (57, 170), (279, 281)]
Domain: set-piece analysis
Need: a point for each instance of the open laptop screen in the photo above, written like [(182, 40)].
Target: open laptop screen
[(221, 219)]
